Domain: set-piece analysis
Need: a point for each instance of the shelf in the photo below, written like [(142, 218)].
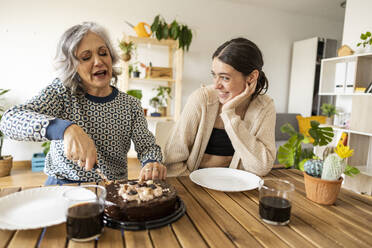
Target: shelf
[(152, 41), (366, 170), (346, 130), (344, 94), (349, 57), (160, 118), (171, 80)]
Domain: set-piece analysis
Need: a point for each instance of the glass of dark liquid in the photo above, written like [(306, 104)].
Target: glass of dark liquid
[(275, 201), (84, 212)]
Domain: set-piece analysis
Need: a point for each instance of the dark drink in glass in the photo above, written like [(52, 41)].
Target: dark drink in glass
[(84, 212), (274, 204), (84, 221), (275, 209)]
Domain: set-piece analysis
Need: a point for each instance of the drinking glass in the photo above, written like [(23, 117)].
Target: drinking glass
[(84, 212), (275, 201)]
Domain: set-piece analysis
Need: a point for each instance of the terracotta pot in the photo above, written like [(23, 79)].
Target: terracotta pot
[(126, 57), (324, 192), (6, 165)]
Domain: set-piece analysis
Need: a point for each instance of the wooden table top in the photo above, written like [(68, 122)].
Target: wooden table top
[(218, 219)]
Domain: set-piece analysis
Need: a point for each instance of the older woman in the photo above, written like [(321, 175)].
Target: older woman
[(89, 121), (228, 124)]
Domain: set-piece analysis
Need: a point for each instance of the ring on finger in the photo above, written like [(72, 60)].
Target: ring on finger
[(148, 169)]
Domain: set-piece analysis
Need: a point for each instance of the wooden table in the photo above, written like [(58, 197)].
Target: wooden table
[(219, 219)]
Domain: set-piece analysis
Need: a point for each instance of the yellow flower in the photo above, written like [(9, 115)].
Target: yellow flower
[(344, 151)]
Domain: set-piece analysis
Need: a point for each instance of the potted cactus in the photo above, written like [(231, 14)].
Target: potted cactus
[(323, 177)]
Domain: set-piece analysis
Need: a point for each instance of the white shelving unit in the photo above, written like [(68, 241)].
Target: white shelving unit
[(359, 106)]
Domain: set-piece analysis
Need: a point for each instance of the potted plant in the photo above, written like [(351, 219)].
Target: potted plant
[(323, 176), (366, 41), (328, 110), (6, 162), (291, 154), (181, 32), (163, 93), (136, 72), (155, 103), (127, 48)]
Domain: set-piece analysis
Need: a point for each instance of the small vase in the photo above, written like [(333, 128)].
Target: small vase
[(329, 121), (6, 165), (324, 192)]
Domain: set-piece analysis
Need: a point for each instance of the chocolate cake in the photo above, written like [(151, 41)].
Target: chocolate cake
[(140, 201)]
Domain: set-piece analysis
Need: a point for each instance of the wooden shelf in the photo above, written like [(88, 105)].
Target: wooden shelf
[(152, 41), (171, 80), (175, 61), (160, 118)]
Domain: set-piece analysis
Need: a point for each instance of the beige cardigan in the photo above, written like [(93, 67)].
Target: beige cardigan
[(252, 138)]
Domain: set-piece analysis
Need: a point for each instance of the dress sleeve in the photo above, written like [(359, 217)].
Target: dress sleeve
[(181, 140), (144, 141), (30, 121), (255, 145)]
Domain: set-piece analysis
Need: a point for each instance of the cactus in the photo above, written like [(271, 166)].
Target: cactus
[(333, 167), (314, 167), (328, 150)]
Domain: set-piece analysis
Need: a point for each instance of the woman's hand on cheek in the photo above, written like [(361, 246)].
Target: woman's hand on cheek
[(236, 101), (79, 147)]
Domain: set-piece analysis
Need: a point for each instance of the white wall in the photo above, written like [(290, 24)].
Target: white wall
[(29, 32), (358, 19)]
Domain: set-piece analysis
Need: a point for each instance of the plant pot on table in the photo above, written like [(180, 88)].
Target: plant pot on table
[(321, 191), (6, 164)]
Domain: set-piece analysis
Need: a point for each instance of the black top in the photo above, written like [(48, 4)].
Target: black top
[(219, 143)]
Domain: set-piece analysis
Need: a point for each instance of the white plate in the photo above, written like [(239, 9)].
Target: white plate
[(225, 179), (33, 208)]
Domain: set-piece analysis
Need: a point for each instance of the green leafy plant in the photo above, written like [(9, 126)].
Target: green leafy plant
[(163, 93), (292, 154), (366, 39), (2, 109), (328, 109), (136, 93), (155, 103), (127, 48), (176, 31), (46, 147)]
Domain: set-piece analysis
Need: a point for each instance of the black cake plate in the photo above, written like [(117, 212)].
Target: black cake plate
[(151, 224)]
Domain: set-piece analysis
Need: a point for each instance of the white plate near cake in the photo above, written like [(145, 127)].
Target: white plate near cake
[(33, 208), (225, 179)]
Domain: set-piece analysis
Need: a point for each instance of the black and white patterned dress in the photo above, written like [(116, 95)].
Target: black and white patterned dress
[(111, 121)]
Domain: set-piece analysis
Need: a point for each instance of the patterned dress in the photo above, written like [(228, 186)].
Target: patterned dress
[(111, 121)]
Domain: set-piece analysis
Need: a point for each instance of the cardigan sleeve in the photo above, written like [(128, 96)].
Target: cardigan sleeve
[(30, 121), (183, 134), (256, 145)]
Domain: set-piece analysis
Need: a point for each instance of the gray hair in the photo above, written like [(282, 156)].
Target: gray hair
[(66, 62)]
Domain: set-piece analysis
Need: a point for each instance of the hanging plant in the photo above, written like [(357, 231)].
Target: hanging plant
[(127, 48), (175, 31)]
